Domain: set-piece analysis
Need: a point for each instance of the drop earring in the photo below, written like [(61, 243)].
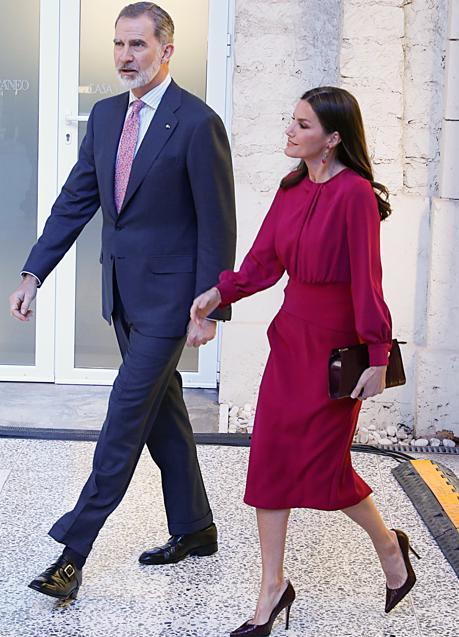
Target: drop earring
[(325, 155)]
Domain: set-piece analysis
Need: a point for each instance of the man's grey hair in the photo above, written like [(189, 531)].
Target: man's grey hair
[(162, 22)]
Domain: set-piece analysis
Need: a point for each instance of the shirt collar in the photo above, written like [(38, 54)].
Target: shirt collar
[(153, 97)]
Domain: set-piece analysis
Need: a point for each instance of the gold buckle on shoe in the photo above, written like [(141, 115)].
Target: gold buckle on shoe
[(69, 571)]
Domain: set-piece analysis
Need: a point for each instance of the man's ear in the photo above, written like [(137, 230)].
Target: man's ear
[(167, 53)]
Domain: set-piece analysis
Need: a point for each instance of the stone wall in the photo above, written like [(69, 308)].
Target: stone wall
[(392, 59), (281, 48), (390, 54)]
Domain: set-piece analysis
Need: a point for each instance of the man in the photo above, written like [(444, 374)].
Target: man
[(157, 161)]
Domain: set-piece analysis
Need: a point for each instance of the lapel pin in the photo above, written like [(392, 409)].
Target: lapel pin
[(168, 125)]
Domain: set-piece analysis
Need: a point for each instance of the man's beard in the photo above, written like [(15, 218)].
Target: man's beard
[(142, 78)]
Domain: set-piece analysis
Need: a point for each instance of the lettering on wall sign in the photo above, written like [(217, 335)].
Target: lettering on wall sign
[(96, 89), (13, 86)]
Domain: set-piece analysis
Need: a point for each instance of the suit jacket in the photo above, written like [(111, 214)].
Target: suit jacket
[(176, 230)]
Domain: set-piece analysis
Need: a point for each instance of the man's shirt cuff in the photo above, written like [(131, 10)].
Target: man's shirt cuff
[(24, 272)]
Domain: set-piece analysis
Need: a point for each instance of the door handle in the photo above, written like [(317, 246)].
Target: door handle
[(74, 119)]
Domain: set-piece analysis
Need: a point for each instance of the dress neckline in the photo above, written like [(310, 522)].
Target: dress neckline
[(322, 183)]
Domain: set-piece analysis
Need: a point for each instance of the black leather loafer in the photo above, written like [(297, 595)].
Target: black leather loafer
[(178, 547), (61, 580)]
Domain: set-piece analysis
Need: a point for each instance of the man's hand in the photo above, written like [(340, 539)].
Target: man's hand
[(21, 299), (203, 305), (200, 334), (371, 383)]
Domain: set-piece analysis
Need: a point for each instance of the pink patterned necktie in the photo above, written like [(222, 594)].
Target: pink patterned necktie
[(126, 151)]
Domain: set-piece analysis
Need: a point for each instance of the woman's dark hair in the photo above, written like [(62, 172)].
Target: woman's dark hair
[(339, 111)]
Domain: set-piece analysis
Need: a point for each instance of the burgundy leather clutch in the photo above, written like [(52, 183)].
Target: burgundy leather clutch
[(347, 364)]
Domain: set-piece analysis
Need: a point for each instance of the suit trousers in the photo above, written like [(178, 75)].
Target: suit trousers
[(145, 407)]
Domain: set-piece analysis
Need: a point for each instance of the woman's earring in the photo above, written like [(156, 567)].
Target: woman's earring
[(325, 155)]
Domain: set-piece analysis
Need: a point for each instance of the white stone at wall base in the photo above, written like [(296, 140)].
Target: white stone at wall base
[(391, 430), (241, 420)]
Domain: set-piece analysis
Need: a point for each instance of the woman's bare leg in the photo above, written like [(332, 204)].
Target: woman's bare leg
[(384, 540), (272, 530)]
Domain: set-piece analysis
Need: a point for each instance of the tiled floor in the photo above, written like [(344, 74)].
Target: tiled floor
[(340, 588)]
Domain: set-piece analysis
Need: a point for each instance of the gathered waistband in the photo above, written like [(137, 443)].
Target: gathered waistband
[(329, 304)]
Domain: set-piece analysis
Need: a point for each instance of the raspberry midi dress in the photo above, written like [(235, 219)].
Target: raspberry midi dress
[(326, 237)]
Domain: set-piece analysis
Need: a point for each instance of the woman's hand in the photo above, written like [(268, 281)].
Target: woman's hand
[(371, 383), (204, 304)]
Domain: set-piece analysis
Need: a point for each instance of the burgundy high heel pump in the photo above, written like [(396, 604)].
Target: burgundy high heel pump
[(395, 595), (263, 630)]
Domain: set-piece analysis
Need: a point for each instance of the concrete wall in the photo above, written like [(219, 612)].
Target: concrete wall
[(391, 55)]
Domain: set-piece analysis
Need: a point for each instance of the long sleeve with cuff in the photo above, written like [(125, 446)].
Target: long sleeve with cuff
[(372, 317)]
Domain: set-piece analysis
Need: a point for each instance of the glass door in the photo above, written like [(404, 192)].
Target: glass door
[(86, 350), (28, 168)]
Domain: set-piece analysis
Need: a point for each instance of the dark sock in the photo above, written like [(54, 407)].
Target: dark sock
[(72, 556)]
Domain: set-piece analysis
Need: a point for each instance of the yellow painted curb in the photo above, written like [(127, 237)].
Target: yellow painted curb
[(445, 493)]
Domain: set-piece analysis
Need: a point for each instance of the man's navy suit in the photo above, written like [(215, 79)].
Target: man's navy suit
[(174, 234)]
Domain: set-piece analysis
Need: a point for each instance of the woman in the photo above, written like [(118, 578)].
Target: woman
[(323, 229)]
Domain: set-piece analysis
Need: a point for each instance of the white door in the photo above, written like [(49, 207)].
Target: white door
[(72, 343)]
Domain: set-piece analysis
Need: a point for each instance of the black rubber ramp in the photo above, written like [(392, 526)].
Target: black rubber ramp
[(434, 491)]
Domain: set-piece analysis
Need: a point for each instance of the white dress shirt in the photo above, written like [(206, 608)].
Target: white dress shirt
[(152, 100)]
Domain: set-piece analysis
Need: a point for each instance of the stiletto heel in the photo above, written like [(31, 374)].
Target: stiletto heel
[(414, 552), (263, 630), (395, 595)]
